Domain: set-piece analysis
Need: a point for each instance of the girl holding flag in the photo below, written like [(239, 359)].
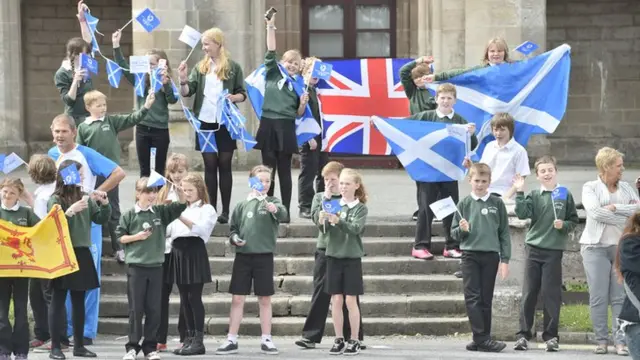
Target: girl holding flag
[(153, 131), (213, 75)]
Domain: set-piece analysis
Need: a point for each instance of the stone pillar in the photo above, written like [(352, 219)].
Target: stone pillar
[(11, 99), (245, 41), (441, 31)]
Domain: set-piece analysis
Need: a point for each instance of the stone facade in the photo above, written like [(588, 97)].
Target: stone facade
[(603, 34)]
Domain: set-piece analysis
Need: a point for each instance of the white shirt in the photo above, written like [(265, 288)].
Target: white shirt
[(172, 194), (441, 115), (204, 220), (505, 162), (14, 208), (90, 120), (351, 204), (484, 198), (212, 90), (137, 208), (41, 198)]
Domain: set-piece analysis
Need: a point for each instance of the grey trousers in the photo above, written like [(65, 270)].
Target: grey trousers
[(604, 290)]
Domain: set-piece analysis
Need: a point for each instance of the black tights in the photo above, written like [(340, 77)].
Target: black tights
[(191, 306), (57, 316), (215, 163), (282, 163)]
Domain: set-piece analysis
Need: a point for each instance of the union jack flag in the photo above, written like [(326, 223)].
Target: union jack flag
[(357, 90)]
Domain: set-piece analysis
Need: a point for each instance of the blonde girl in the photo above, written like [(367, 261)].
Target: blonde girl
[(214, 74)]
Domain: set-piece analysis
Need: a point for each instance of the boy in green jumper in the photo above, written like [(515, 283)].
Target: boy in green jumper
[(482, 227), (14, 341), (254, 229), (430, 192), (142, 232), (99, 131), (553, 215)]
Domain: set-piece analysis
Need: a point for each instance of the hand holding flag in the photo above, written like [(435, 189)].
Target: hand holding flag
[(155, 179), (443, 208), (331, 206), (560, 193)]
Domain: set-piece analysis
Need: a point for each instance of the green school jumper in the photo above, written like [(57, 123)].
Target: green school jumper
[(80, 223), (316, 207), (446, 75), (345, 238), (63, 79), (432, 115), (538, 206), (252, 222), (102, 135), (280, 99), (420, 99), (19, 215), (488, 226)]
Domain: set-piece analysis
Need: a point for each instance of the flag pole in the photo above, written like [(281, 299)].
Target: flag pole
[(553, 205), (127, 24), (190, 52)]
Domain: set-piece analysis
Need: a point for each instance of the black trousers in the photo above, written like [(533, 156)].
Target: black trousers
[(316, 319), (14, 340), (144, 290), (58, 315), (281, 163), (40, 308), (146, 138), (114, 220), (163, 328), (543, 271), (479, 270), (429, 193), (311, 164)]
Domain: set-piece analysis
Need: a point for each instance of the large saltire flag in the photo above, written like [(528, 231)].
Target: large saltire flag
[(429, 151), (534, 91), (43, 251)]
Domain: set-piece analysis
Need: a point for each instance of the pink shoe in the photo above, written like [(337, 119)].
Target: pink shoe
[(423, 254), (453, 253)]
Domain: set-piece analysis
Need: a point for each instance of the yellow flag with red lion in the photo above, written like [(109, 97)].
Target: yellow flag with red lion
[(43, 251)]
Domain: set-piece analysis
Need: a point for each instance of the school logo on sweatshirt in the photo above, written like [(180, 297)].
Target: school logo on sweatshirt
[(22, 222), (484, 211), (249, 214), (157, 222), (106, 127)]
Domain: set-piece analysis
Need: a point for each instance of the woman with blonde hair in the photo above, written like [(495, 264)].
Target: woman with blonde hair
[(215, 73), (608, 202)]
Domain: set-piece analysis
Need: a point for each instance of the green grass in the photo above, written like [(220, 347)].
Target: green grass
[(577, 286), (577, 318)]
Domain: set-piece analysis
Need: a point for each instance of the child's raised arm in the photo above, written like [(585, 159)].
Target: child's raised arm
[(100, 213), (123, 122), (84, 27), (172, 211), (119, 57)]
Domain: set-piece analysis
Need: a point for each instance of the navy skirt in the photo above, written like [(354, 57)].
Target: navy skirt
[(277, 135), (82, 280), (190, 261)]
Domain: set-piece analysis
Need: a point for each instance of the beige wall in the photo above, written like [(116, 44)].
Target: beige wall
[(47, 25)]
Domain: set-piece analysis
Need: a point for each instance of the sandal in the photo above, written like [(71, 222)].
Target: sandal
[(601, 350)]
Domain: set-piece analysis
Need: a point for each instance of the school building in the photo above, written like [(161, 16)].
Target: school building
[(604, 107)]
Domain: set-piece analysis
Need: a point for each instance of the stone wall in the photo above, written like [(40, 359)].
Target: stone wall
[(604, 105), (46, 27)]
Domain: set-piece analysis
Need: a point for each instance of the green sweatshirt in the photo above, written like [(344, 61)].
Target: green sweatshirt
[(432, 115), (345, 241), (252, 222), (234, 85), (23, 216), (279, 103), (488, 226), (420, 99), (148, 252), (63, 79), (102, 135), (446, 75), (316, 207), (158, 115), (80, 223), (538, 206)]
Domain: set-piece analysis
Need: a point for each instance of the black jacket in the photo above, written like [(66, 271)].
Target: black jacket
[(630, 268)]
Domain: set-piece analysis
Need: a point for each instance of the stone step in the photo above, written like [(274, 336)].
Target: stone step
[(376, 265), (292, 326), (373, 246), (303, 285), (289, 305)]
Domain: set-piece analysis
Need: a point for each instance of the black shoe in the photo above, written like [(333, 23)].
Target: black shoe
[(414, 217), (306, 343), (521, 344), (227, 348), (223, 218), (458, 274), (286, 220), (196, 347), (187, 342), (87, 341), (57, 354), (491, 346), (305, 214), (472, 346), (353, 348), (362, 345), (338, 347), (83, 352)]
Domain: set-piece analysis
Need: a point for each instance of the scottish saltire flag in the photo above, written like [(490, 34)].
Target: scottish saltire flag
[(560, 193), (114, 73), (139, 84), (429, 151), (207, 140), (155, 79), (92, 22), (176, 93), (357, 90), (235, 124), (191, 118), (306, 126), (533, 91)]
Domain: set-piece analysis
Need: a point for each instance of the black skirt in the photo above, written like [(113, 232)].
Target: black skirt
[(224, 142), (82, 280), (277, 135), (167, 268), (190, 261)]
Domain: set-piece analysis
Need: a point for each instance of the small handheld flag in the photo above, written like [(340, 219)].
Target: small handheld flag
[(114, 73), (207, 141), (148, 20), (321, 70), (331, 206), (443, 208), (191, 37), (155, 80), (92, 22), (139, 84), (89, 63), (527, 48), (560, 193), (256, 184), (70, 175), (139, 64), (155, 179), (11, 162)]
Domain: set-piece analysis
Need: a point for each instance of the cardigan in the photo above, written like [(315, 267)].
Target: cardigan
[(595, 195)]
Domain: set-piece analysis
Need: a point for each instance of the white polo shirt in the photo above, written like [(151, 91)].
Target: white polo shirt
[(505, 162)]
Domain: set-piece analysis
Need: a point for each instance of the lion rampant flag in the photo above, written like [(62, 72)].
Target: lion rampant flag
[(43, 251)]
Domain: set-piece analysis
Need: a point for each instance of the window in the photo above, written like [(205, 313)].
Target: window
[(333, 29)]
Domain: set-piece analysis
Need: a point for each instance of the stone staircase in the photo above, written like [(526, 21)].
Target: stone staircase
[(402, 295)]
